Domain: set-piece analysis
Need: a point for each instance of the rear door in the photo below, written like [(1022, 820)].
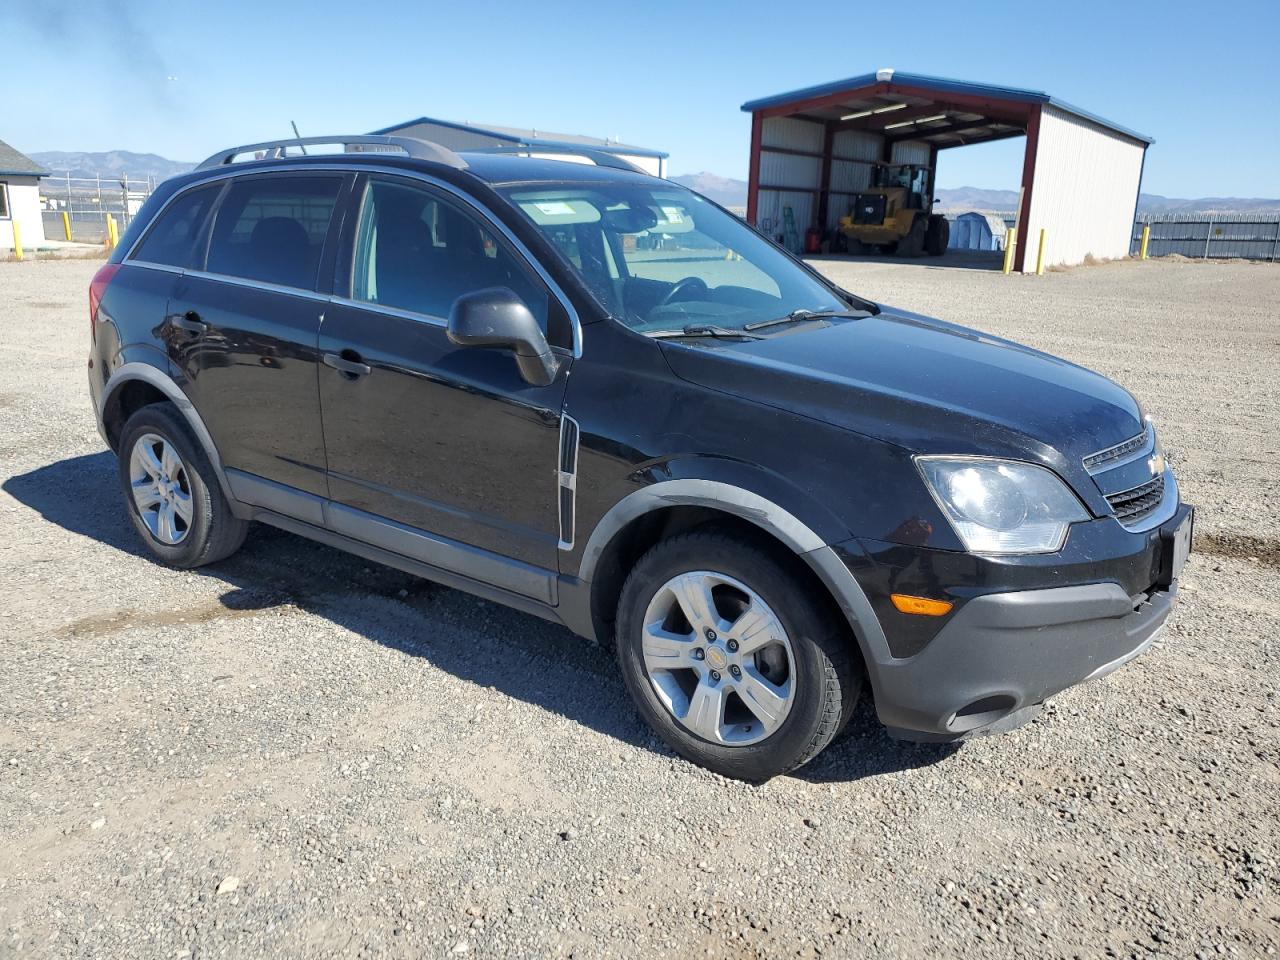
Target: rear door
[(243, 326), (426, 434)]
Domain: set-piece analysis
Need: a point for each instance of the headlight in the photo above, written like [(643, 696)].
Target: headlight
[(1002, 506)]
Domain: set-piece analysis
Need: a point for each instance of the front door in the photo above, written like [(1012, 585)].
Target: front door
[(425, 436), (243, 327)]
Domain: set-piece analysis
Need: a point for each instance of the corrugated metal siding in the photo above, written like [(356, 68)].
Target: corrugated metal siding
[(847, 179), (788, 170), (769, 210), (793, 134), (856, 145), (1084, 187), (911, 151)]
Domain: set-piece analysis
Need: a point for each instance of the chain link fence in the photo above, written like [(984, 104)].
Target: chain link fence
[(87, 201), (1220, 237)]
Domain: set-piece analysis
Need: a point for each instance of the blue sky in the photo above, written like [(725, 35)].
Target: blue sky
[(94, 74)]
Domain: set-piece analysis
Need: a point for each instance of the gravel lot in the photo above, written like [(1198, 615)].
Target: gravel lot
[(295, 753)]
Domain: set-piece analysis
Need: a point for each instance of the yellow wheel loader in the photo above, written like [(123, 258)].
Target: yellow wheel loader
[(895, 215)]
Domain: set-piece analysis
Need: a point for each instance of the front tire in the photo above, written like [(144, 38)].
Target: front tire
[(171, 491), (734, 660)]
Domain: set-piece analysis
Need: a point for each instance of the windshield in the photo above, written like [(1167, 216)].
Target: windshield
[(662, 258)]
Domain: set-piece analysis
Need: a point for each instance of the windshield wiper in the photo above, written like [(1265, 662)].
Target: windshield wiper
[(705, 330), (799, 316)]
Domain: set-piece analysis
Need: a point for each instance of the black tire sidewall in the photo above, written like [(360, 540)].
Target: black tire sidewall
[(165, 422), (811, 638)]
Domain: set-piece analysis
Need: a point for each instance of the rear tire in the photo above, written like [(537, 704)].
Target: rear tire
[(938, 237), (912, 245), (764, 692), (171, 491)]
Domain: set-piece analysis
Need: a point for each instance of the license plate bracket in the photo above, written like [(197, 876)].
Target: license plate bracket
[(1175, 547)]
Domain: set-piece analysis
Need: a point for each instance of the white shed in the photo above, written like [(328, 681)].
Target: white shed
[(20, 198)]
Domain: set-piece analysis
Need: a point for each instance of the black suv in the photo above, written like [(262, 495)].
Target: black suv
[(600, 398)]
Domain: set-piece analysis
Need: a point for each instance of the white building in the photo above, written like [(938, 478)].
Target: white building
[(20, 198), (481, 136)]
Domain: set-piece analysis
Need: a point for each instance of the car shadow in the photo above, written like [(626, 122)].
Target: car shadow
[(475, 640)]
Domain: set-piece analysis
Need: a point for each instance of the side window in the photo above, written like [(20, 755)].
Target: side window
[(273, 229), (417, 251), (171, 239), (4, 200)]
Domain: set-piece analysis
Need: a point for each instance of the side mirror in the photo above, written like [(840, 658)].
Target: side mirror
[(496, 317)]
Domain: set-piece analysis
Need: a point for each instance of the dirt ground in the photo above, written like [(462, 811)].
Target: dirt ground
[(297, 753)]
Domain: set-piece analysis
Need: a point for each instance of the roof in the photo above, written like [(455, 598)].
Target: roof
[(13, 163), (985, 119), (532, 137), (498, 168)]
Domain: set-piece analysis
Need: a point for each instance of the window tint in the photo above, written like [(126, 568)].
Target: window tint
[(419, 252), (172, 237), (273, 229)]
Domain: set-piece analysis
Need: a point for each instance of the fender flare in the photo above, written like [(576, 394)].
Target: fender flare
[(136, 370), (768, 516)]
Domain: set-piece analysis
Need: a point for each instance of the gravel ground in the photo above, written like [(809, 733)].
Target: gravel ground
[(294, 753)]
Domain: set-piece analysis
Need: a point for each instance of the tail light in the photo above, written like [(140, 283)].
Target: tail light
[(97, 287)]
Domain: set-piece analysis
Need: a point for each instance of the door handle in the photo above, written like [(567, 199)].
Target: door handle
[(347, 363), (189, 321)]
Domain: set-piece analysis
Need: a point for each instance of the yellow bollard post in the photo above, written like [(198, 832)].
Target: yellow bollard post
[(1010, 242), (112, 238), (66, 224), (1040, 255), (1146, 237), (17, 241)]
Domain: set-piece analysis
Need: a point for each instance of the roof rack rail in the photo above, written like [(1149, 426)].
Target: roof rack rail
[(275, 149), (601, 158)]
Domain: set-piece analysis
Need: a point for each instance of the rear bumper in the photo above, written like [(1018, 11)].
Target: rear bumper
[(1005, 653)]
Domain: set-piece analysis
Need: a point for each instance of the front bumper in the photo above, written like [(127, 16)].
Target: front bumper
[(1004, 651)]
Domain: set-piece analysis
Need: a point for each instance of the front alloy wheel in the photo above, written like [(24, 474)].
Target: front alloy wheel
[(718, 658), (735, 657)]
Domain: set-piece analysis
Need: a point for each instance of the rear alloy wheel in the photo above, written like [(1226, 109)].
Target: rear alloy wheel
[(172, 493), (732, 658)]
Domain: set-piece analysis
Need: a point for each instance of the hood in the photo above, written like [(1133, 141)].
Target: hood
[(927, 385)]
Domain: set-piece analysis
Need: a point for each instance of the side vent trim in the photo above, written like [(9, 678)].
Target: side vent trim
[(567, 479)]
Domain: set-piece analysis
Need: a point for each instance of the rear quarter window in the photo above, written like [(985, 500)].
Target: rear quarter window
[(273, 229), (171, 239)]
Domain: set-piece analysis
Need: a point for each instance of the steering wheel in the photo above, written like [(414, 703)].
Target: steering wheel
[(685, 286)]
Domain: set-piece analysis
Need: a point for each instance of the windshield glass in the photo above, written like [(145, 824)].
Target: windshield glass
[(662, 258)]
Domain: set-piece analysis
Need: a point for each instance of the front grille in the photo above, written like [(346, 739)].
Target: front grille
[(1096, 461), (1135, 505)]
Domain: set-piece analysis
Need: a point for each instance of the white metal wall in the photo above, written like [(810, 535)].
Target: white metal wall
[(650, 165), (24, 207), (788, 170), (911, 151), (1083, 192), (852, 152)]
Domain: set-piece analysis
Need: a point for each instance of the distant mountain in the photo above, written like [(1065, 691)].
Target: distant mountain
[(112, 164), (723, 190), (1153, 203), (960, 199)]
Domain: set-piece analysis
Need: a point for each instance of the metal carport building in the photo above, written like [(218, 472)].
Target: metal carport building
[(813, 150)]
